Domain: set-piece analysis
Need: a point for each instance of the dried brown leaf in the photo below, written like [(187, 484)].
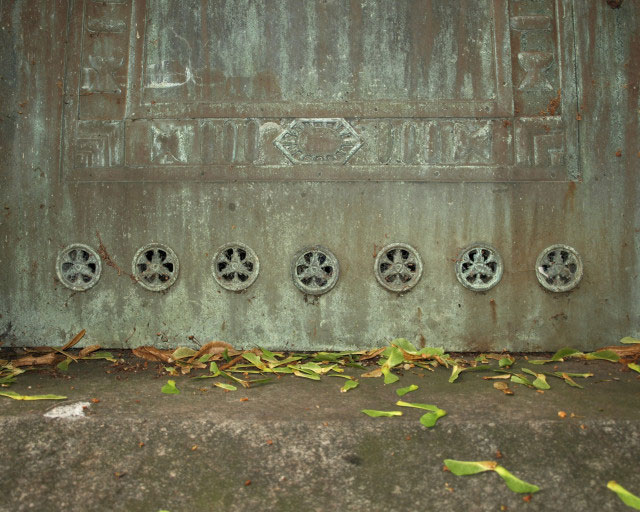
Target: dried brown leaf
[(213, 348), (630, 351), (88, 350), (74, 340), (372, 353), (51, 358), (504, 387), (498, 377), (376, 372), (152, 354)]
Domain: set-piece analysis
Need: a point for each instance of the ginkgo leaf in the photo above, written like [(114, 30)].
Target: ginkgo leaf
[(404, 391), (170, 388), (389, 376), (228, 387), (350, 384), (627, 498), (607, 355), (16, 396), (514, 483), (381, 414), (461, 467)]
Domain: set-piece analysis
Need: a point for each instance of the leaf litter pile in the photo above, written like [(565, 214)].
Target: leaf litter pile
[(232, 369)]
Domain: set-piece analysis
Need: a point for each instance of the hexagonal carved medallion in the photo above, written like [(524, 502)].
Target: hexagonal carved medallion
[(312, 141)]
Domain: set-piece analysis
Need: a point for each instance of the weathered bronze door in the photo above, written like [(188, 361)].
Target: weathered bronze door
[(320, 173)]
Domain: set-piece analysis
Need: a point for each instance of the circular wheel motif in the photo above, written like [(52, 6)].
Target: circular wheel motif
[(398, 267), (155, 266), (479, 267), (559, 268), (78, 267), (235, 266), (315, 270)]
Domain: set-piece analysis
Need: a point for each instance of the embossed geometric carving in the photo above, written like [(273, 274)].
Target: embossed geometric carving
[(534, 65), (318, 141), (99, 144), (171, 144), (539, 142), (99, 76)]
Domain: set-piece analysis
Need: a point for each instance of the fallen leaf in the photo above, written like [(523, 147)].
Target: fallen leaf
[(381, 414), (194, 447), (46, 359), (635, 367), (562, 414), (404, 391), (498, 377), (149, 353), (627, 498), (74, 340), (248, 482), (170, 388), (95, 400), (350, 384), (514, 483), (377, 372), (227, 387), (609, 354), (212, 348), (629, 340), (504, 387), (88, 350), (462, 468), (182, 353), (16, 396)]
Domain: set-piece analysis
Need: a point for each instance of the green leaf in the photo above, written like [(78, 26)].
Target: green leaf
[(455, 373), (395, 358), (381, 414), (350, 384), (228, 387), (629, 340), (16, 396), (268, 356), (63, 366), (254, 360), (540, 361), (518, 378), (627, 498), (306, 375), (213, 368), (170, 388), (564, 353), (404, 391), (635, 367), (462, 468), (429, 419), (101, 354), (607, 355), (506, 362), (205, 358), (541, 380), (405, 345), (389, 376), (457, 370), (226, 356), (514, 483), (183, 353)]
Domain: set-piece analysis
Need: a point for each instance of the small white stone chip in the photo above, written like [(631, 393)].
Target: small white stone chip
[(70, 411)]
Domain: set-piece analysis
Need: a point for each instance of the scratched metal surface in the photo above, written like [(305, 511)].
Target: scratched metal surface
[(350, 125)]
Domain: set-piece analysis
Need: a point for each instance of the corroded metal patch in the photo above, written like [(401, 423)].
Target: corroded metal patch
[(559, 268), (155, 266), (235, 266), (398, 267), (479, 267), (315, 270), (78, 267)]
